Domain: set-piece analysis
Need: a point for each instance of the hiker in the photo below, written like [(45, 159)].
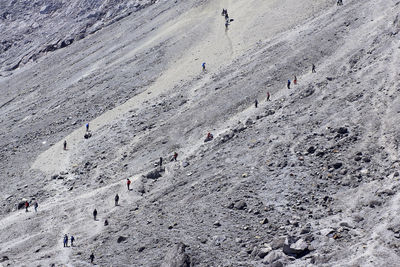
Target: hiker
[(94, 214), (116, 199), (268, 96), (105, 222), (288, 84), (226, 25), (175, 157), (26, 206), (224, 11), (36, 205), (226, 15), (87, 127), (72, 240), (295, 80), (65, 144), (91, 258), (209, 137), (204, 66), (160, 162), (313, 68), (65, 240), (128, 183), (256, 103)]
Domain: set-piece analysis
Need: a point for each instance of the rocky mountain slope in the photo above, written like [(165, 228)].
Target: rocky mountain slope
[(308, 178)]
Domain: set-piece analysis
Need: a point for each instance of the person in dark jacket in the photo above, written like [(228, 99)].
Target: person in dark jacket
[(116, 199), (65, 240), (95, 214)]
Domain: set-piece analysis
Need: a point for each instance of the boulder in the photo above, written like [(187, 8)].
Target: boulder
[(177, 257), (154, 174), (273, 256), (262, 252), (240, 205), (296, 248)]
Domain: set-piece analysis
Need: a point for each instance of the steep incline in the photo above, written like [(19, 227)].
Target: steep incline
[(317, 165)]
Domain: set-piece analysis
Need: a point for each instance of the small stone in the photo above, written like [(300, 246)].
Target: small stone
[(121, 239), (240, 205), (238, 240), (342, 130), (337, 165), (311, 150), (264, 221), (345, 224)]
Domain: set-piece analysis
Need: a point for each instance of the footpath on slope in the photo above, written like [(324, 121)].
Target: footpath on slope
[(212, 50)]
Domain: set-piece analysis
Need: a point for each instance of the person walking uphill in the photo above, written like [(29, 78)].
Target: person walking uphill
[(128, 183), (95, 214), (72, 240), (288, 84), (256, 103), (203, 66), (36, 205), (116, 199), (65, 240), (268, 96), (65, 144), (87, 127), (91, 257), (26, 206), (313, 69)]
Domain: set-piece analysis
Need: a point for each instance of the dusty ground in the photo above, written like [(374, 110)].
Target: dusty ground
[(315, 166)]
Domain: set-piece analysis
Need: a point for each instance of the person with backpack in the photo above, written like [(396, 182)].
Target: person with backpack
[(256, 103), (36, 205), (268, 96), (128, 183), (87, 127), (72, 240), (295, 80), (175, 157), (204, 66), (288, 84), (313, 69), (116, 199), (26, 206), (65, 144)]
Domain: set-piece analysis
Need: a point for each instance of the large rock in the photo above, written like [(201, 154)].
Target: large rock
[(273, 256), (154, 174), (295, 247), (177, 257)]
